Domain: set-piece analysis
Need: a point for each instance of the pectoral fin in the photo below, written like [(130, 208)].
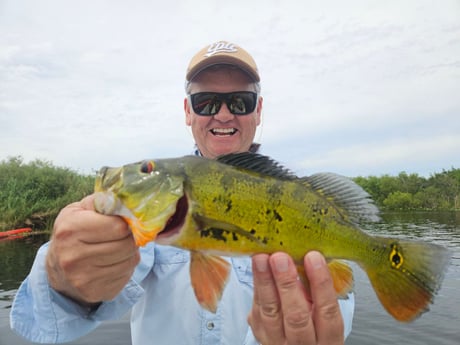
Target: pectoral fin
[(209, 274), (141, 236)]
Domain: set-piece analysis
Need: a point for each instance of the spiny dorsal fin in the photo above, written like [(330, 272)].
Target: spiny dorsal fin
[(346, 194), (258, 163), (341, 190)]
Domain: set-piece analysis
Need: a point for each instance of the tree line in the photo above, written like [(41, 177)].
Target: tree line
[(440, 191), (31, 194)]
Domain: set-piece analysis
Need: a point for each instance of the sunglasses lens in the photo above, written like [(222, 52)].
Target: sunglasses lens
[(209, 103), (241, 103), (206, 103)]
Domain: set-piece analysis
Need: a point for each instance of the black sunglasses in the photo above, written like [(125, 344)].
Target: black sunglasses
[(238, 103)]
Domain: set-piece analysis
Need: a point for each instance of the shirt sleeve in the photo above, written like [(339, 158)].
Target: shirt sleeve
[(41, 314)]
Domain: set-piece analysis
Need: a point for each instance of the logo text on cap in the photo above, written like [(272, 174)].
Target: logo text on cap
[(221, 47)]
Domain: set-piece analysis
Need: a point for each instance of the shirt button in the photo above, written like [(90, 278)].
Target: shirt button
[(210, 325)]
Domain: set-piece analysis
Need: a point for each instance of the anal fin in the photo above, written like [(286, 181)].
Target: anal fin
[(342, 277), (209, 274)]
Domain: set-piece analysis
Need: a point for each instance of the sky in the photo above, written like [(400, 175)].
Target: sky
[(354, 87)]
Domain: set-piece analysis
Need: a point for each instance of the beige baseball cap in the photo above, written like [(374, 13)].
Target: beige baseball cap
[(222, 52)]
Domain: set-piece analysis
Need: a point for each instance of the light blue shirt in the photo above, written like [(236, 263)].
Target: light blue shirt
[(164, 307)]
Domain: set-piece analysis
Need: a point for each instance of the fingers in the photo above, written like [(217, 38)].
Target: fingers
[(283, 313), (296, 310), (327, 317), (100, 283), (266, 318), (80, 221), (87, 202), (91, 256)]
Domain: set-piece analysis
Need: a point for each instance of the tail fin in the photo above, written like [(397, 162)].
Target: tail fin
[(409, 277)]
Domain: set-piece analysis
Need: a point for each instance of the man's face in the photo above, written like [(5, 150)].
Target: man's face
[(223, 132)]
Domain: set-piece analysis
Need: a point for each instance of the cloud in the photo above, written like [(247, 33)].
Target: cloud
[(351, 87), (375, 158)]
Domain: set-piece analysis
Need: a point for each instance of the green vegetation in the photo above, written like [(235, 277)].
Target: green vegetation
[(32, 194), (441, 191)]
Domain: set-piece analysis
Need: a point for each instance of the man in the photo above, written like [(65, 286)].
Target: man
[(92, 271)]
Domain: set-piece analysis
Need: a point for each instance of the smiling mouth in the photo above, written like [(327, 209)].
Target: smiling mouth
[(223, 132)]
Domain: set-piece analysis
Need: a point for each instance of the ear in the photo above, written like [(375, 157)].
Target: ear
[(260, 102), (188, 115)]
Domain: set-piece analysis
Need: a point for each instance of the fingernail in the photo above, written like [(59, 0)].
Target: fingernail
[(261, 263), (316, 259), (281, 263)]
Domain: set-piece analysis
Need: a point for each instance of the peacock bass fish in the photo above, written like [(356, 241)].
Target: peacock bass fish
[(246, 203)]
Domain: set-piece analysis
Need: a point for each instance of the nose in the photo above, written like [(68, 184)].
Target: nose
[(224, 115)]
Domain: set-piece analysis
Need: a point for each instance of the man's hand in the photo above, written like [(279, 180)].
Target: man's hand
[(284, 313), (91, 256)]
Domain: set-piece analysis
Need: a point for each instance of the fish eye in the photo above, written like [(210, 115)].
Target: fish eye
[(147, 167)]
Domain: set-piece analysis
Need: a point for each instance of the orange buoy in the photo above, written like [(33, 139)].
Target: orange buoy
[(14, 232)]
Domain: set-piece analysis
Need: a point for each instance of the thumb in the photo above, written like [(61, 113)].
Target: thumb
[(87, 202)]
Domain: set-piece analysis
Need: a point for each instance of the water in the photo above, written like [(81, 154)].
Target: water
[(372, 325), (16, 258), (441, 325)]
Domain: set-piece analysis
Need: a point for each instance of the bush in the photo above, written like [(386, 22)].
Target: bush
[(399, 201), (37, 190)]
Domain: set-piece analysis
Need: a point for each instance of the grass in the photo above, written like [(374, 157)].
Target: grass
[(32, 194)]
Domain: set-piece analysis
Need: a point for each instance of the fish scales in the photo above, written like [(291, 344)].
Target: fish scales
[(273, 212), (278, 214), (243, 204)]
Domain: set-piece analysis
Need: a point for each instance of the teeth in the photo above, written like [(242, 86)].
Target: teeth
[(223, 131)]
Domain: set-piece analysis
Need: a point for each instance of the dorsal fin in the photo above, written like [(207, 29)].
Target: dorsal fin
[(258, 163), (346, 194), (341, 190)]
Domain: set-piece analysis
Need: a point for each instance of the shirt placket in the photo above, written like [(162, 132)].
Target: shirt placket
[(211, 327)]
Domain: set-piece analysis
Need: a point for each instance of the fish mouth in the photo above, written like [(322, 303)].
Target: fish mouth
[(175, 223), (107, 178)]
